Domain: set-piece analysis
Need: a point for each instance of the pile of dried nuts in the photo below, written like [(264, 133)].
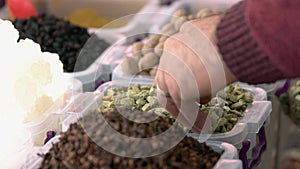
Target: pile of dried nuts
[(145, 56), (76, 149), (139, 97), (227, 107)]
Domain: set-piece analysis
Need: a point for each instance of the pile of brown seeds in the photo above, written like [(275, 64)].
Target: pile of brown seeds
[(77, 150)]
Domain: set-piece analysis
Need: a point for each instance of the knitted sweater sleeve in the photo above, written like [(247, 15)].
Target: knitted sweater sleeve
[(259, 39)]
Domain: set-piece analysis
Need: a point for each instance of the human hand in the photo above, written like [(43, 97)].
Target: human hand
[(191, 71)]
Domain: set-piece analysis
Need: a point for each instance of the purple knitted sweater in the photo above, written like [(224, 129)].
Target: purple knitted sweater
[(259, 40)]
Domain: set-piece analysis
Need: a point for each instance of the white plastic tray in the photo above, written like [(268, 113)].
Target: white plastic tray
[(253, 119), (247, 127), (236, 136), (227, 159)]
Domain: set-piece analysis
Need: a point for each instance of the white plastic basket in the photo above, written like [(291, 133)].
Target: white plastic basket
[(249, 125)]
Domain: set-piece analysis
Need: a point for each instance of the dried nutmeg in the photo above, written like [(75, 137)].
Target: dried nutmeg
[(154, 38), (148, 47), (179, 22), (169, 27), (130, 65), (148, 61), (137, 56), (137, 47), (204, 13), (163, 38), (159, 49), (180, 13)]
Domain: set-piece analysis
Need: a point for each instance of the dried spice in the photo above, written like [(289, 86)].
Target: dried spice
[(227, 107), (224, 110), (56, 35), (76, 150), (291, 102), (139, 97), (151, 50)]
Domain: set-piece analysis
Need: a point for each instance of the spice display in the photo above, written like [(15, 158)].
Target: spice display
[(139, 97), (291, 102), (87, 18), (145, 56), (58, 36), (76, 150), (227, 107)]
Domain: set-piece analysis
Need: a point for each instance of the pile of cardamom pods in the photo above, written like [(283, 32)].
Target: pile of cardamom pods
[(227, 107), (140, 97), (224, 110), (291, 102)]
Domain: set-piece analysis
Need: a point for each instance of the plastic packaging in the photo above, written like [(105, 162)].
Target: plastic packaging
[(39, 127), (51, 119), (236, 136)]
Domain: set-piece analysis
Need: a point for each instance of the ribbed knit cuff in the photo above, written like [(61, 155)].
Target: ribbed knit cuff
[(241, 53)]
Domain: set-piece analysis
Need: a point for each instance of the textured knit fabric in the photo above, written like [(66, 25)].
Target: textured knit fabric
[(256, 44)]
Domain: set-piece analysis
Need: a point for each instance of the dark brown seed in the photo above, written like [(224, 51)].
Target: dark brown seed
[(187, 154)]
